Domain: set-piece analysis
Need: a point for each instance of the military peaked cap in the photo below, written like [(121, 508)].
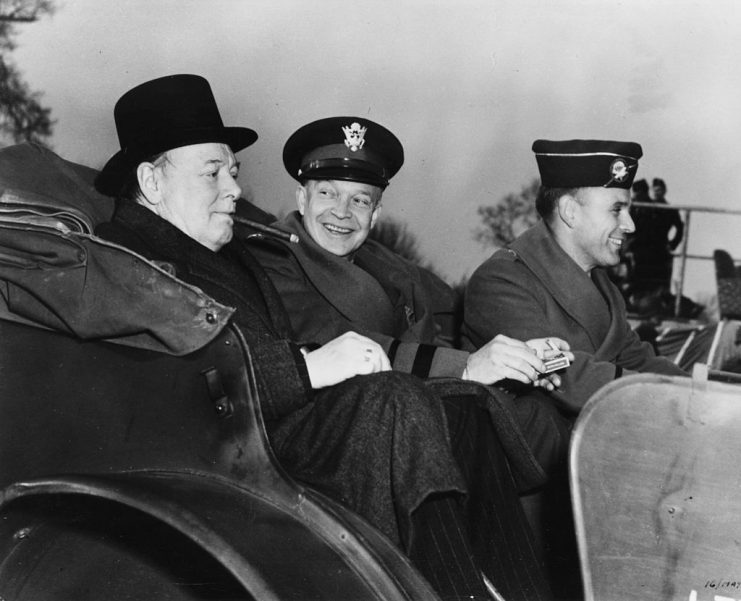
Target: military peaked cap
[(587, 163), (344, 148)]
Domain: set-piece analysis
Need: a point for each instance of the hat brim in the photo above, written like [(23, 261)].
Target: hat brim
[(111, 177), (347, 174)]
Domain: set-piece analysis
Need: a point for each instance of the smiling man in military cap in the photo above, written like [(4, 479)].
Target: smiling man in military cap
[(551, 279), (337, 280)]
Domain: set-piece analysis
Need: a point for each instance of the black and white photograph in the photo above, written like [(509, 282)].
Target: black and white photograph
[(401, 300)]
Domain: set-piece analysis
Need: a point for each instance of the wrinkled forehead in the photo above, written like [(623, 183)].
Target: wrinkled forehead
[(346, 187), (202, 154)]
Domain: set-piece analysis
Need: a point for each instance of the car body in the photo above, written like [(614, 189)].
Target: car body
[(134, 462)]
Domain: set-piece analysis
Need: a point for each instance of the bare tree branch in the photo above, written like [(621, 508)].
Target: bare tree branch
[(504, 221), (24, 11), (396, 237), (22, 117)]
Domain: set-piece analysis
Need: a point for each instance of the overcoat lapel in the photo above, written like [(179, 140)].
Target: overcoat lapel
[(616, 332), (268, 294), (414, 322), (352, 291), (211, 268), (562, 276)]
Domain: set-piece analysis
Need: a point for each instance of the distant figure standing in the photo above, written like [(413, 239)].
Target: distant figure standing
[(658, 233), (672, 218)]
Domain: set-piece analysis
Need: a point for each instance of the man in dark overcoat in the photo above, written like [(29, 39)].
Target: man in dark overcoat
[(408, 456), (337, 280), (552, 278)]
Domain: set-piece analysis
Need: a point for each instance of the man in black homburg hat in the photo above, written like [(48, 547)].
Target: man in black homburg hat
[(408, 456), (552, 278)]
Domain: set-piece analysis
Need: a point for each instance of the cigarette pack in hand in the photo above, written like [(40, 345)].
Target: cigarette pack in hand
[(558, 362)]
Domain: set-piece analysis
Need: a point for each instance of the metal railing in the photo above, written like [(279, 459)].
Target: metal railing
[(686, 213)]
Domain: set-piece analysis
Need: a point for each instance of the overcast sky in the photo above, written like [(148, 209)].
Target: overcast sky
[(466, 86)]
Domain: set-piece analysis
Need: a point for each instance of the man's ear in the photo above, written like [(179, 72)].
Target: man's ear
[(566, 208), (148, 178), (301, 199), (376, 214)]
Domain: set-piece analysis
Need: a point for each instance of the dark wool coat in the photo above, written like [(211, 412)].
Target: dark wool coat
[(534, 289), (378, 443), (378, 294), (397, 304)]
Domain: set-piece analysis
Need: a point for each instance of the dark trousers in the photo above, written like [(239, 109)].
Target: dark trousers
[(456, 538), (421, 462)]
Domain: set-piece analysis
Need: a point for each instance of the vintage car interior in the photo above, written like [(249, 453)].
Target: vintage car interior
[(134, 462), (133, 459)]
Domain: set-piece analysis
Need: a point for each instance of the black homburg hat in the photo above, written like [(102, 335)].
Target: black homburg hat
[(587, 163), (162, 114), (344, 148)]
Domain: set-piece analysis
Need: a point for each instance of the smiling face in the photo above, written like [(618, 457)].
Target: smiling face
[(601, 222), (338, 215), (197, 191)]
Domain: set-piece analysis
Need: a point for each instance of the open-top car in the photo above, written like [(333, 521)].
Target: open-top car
[(134, 462)]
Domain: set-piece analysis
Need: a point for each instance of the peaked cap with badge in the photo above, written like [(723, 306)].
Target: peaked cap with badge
[(587, 163), (162, 114), (343, 148)]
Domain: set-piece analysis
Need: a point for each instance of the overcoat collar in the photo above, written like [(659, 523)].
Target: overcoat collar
[(352, 290), (585, 299), (172, 245)]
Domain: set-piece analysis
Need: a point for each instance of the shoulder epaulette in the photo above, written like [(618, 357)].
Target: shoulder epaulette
[(266, 244), (505, 254)]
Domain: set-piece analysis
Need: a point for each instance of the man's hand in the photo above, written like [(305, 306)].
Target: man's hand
[(547, 348), (346, 356), (507, 358)]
